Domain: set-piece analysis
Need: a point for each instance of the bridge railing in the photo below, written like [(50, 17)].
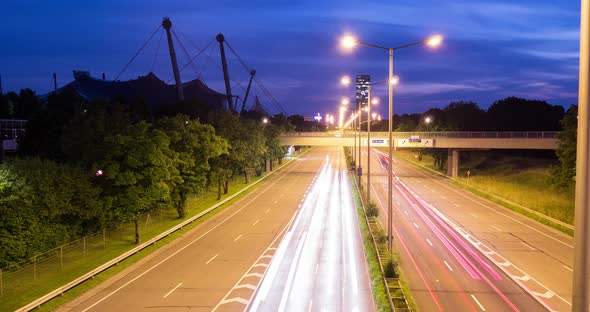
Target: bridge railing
[(441, 134)]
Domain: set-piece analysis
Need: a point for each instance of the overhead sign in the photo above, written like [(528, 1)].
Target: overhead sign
[(362, 89), (415, 142)]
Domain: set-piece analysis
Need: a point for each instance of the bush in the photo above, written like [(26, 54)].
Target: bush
[(372, 210), (389, 268)]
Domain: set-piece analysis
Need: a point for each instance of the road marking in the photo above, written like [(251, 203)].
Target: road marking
[(477, 301), (317, 267), (253, 224), (276, 201), (267, 210), (529, 246), (406, 213), (429, 242), (443, 197), (448, 266), (416, 225), (497, 229), (548, 294), (211, 259), (173, 289), (236, 239), (249, 286), (236, 299), (397, 202), (473, 215), (456, 205), (568, 268), (310, 305)]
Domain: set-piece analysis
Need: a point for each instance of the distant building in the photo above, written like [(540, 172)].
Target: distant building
[(150, 89)]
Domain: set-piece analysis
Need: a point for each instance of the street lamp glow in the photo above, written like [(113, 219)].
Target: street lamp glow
[(379, 117), (345, 80), (348, 41), (375, 101), (265, 120), (434, 41), (345, 101), (394, 80), (374, 115), (428, 120)]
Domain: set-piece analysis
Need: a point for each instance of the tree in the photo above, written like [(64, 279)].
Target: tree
[(517, 114), (138, 171), (44, 204), (246, 140), (464, 116), (195, 144), (564, 175)]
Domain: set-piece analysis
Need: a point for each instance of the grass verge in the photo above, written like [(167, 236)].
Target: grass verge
[(377, 285)]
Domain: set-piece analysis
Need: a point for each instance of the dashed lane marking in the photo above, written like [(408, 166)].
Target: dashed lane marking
[(236, 239), (477, 301), (429, 242), (211, 259), (448, 266), (173, 289), (254, 224)]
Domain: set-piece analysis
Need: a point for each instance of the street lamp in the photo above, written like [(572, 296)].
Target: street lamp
[(428, 120), (374, 101), (350, 42)]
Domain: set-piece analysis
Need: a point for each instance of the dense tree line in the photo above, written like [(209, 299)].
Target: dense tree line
[(83, 166)]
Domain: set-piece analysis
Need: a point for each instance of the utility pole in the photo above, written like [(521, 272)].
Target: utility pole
[(581, 274), (167, 24), (54, 82)]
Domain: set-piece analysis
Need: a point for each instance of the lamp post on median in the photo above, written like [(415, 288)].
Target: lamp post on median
[(349, 42)]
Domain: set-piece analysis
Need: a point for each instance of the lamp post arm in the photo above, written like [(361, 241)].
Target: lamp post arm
[(409, 45)]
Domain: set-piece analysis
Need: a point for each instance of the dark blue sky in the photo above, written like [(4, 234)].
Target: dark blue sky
[(492, 49)]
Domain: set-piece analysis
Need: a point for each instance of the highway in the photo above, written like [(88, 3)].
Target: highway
[(218, 265), (320, 264), (462, 253)]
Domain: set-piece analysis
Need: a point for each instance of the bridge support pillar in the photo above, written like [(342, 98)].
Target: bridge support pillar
[(453, 163)]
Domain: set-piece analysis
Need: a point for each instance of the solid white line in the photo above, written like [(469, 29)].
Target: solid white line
[(568, 268), (529, 246), (448, 266), (211, 259), (497, 228), (237, 238), (406, 212), (429, 242), (253, 224), (479, 304), (173, 289), (416, 225)]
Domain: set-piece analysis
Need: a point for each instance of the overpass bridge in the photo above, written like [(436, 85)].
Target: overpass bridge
[(453, 141)]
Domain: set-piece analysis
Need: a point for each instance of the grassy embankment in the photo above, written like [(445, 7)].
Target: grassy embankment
[(513, 182), (117, 242)]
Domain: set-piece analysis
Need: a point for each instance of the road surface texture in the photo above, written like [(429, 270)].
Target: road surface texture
[(320, 264), (462, 253), (218, 265)]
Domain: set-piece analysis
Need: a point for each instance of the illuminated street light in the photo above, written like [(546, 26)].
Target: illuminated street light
[(345, 80), (349, 42), (375, 101), (394, 80), (265, 120), (434, 41), (345, 101)]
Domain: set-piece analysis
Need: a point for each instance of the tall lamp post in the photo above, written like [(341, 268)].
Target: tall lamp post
[(581, 281), (349, 42)]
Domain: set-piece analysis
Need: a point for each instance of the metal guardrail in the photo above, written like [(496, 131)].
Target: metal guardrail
[(61, 290), (441, 134)]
